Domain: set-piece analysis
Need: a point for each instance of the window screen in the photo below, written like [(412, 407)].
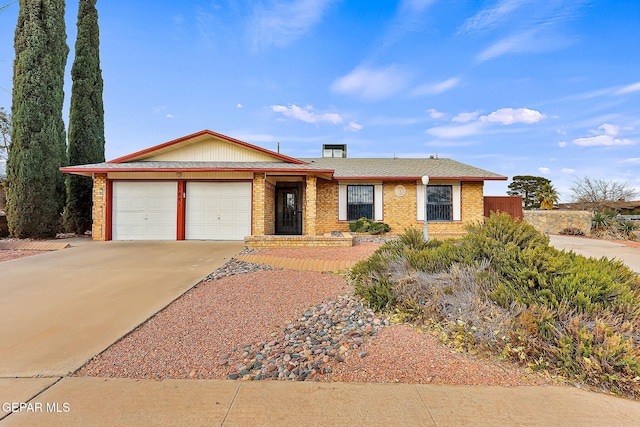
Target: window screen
[(439, 203), (360, 202)]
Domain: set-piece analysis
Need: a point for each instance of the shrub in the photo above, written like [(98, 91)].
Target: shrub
[(572, 231), (364, 225), (503, 289)]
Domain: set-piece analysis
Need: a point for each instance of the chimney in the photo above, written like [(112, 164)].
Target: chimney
[(334, 150)]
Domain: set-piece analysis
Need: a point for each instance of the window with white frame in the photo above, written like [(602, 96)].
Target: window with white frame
[(443, 203), (439, 203), (360, 202)]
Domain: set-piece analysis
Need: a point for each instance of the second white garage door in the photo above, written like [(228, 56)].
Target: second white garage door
[(218, 210)]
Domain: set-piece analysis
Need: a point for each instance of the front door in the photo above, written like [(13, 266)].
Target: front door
[(288, 212)]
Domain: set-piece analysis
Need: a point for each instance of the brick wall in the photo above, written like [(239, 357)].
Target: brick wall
[(310, 204), (472, 210), (327, 208), (269, 208), (259, 208), (253, 242), (400, 211), (99, 210)]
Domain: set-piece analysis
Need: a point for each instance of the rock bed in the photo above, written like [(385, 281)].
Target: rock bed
[(325, 333), (234, 266)]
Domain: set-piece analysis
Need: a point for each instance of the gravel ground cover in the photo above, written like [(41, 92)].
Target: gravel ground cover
[(253, 322), (8, 255)]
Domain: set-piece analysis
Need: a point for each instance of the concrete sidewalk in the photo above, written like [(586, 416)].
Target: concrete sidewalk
[(122, 402), (597, 248)]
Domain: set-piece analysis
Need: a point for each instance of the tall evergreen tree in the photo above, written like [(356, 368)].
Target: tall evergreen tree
[(86, 118), (527, 186), (36, 189)]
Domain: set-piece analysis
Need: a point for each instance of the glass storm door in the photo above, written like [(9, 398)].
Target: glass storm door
[(288, 212)]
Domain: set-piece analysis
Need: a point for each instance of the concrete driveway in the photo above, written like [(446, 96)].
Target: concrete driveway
[(59, 309), (597, 248)]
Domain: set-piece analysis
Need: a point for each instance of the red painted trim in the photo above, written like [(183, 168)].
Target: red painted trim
[(89, 171), (417, 178), (108, 220), (252, 206), (133, 156), (182, 208)]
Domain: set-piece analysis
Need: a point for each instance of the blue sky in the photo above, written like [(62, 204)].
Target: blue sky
[(547, 88)]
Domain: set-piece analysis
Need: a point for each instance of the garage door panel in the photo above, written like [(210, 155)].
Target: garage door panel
[(144, 210), (218, 210)]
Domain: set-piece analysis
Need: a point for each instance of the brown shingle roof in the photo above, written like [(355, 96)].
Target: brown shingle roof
[(349, 168), (352, 168)]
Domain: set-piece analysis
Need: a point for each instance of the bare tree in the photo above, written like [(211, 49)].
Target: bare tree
[(599, 194)]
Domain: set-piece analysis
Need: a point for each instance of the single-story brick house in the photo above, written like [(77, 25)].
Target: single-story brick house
[(208, 186)]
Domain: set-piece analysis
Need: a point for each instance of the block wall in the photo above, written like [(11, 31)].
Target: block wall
[(553, 222)]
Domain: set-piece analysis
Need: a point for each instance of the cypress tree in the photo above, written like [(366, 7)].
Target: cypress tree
[(86, 117), (36, 190)]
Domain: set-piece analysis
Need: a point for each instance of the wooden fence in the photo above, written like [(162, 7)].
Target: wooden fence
[(507, 204)]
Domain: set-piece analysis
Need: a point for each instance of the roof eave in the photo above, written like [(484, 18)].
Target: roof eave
[(91, 171), (417, 178), (137, 154)]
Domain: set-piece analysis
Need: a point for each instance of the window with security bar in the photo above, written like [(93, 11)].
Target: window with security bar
[(360, 202), (439, 203)]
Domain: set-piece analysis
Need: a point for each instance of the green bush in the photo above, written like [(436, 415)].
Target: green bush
[(503, 289), (365, 225)]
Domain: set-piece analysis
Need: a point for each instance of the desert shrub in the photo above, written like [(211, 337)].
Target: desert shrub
[(435, 257), (379, 228), (627, 229), (572, 231), (378, 293), (365, 225), (413, 239), (503, 290)]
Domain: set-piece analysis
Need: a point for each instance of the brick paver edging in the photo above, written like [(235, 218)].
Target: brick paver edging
[(305, 264)]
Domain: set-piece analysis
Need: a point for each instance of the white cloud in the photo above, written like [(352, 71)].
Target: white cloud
[(372, 84), (170, 116), (635, 87), (601, 140), (239, 105), (611, 130), (544, 170), (281, 22), (605, 136), (306, 114), (435, 114), (353, 127), (567, 170), (562, 144), (465, 117), (455, 131), (516, 43), (490, 17), (632, 161), (436, 88), (508, 116)]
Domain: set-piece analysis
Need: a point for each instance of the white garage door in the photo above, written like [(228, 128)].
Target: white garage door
[(218, 210), (144, 210)]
